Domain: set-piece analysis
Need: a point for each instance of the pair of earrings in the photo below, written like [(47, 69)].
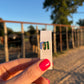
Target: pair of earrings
[(44, 45)]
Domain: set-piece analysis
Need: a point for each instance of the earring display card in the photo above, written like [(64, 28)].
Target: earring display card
[(46, 46)]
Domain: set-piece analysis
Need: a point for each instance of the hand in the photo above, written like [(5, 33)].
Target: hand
[(24, 71)]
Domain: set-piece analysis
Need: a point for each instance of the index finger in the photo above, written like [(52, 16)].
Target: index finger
[(14, 63), (12, 67)]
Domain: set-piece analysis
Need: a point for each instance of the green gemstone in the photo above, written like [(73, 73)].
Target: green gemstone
[(48, 44), (44, 45)]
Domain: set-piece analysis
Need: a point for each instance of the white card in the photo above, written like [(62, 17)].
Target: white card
[(46, 46)]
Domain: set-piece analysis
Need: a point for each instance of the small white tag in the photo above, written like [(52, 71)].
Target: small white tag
[(46, 46)]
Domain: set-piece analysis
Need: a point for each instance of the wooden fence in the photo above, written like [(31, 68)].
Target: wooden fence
[(74, 36)]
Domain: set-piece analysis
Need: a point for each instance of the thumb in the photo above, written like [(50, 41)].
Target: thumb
[(32, 73)]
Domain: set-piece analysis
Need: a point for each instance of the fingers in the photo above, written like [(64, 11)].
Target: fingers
[(17, 62), (32, 73), (42, 80), (10, 68)]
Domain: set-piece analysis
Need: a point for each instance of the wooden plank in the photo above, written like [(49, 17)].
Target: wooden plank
[(23, 41), (60, 39), (81, 36), (6, 44), (72, 38), (55, 46), (67, 42), (45, 27), (38, 42), (37, 23), (75, 38), (78, 36)]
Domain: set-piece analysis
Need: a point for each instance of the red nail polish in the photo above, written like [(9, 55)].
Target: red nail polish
[(44, 64), (48, 80)]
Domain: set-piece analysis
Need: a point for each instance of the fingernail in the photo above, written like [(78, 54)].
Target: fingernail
[(44, 64), (48, 81)]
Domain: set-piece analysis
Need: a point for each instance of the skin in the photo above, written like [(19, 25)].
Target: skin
[(22, 71)]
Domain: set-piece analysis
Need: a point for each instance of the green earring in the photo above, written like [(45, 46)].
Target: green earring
[(48, 44)]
